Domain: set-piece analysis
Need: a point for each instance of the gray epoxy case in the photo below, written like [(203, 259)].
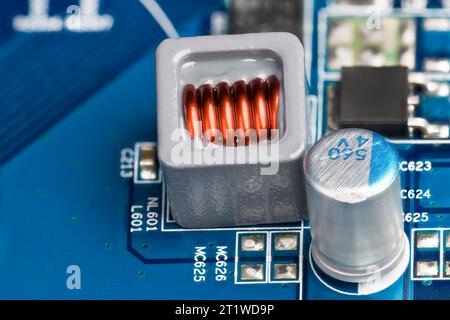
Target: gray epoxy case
[(228, 194)]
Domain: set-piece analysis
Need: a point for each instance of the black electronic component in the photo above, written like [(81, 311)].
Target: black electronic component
[(373, 98)]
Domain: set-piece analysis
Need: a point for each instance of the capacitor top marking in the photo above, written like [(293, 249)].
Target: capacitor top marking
[(352, 165)]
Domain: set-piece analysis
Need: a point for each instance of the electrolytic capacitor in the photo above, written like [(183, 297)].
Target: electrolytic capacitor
[(355, 209)]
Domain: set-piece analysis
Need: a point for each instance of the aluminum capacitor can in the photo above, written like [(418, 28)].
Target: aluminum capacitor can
[(355, 209)]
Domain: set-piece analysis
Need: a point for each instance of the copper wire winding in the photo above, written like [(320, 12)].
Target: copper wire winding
[(192, 112), (228, 111)]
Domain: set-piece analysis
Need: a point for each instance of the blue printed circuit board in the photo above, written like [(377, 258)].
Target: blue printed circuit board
[(78, 106)]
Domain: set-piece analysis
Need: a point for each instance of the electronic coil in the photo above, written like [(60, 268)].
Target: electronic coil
[(225, 113)]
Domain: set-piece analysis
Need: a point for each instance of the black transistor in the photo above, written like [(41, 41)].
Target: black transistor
[(373, 98)]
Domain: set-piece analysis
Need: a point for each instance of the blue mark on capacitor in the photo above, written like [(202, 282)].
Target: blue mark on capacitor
[(384, 161)]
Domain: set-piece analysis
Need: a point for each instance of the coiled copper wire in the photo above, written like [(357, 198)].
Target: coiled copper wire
[(224, 100), (260, 112), (210, 115), (273, 99), (229, 112), (192, 112), (243, 112)]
